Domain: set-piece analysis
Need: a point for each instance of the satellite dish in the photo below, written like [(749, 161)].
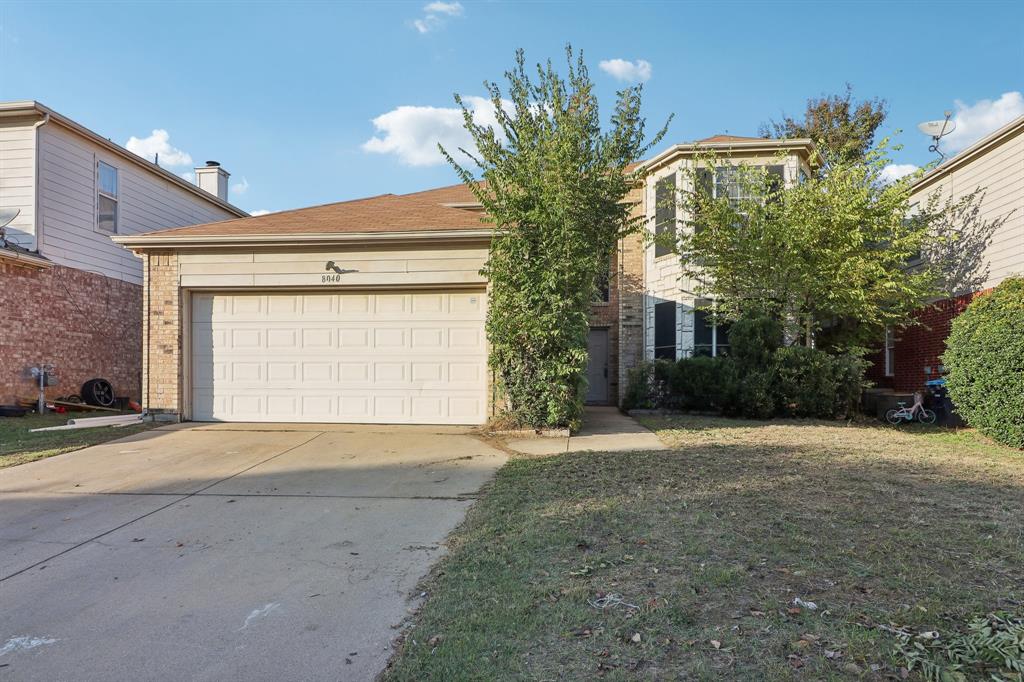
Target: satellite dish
[(937, 128), (7, 215)]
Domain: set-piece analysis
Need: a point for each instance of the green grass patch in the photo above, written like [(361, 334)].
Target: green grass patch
[(697, 555), (18, 445)]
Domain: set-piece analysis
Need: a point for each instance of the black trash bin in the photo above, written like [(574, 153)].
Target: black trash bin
[(939, 402)]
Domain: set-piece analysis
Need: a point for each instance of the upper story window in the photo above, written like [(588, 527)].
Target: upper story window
[(728, 184), (106, 198), (664, 214)]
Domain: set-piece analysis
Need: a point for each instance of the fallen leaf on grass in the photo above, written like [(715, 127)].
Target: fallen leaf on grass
[(715, 643)]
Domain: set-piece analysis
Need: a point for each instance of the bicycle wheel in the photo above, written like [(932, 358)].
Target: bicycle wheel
[(893, 416), (926, 417)]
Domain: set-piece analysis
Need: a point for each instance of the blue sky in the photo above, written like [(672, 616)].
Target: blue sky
[(285, 95)]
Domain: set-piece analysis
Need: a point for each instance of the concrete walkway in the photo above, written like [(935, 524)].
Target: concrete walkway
[(227, 552), (605, 429)]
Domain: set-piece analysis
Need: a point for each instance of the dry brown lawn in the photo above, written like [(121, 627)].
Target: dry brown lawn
[(700, 562)]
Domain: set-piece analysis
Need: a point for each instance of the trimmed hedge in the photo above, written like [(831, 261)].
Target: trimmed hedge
[(792, 381), (984, 361)]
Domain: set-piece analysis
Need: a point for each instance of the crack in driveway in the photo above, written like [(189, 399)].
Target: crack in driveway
[(178, 498)]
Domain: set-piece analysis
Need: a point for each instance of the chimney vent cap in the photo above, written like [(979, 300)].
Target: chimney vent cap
[(213, 163)]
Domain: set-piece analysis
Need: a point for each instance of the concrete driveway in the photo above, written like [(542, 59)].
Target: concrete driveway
[(224, 552)]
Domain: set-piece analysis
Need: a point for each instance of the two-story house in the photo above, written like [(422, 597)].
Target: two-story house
[(72, 297), (373, 310)]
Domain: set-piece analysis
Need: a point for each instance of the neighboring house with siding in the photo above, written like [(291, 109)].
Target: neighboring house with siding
[(373, 310), (73, 298), (912, 356)]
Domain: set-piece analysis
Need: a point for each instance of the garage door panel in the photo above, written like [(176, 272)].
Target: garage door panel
[(377, 358)]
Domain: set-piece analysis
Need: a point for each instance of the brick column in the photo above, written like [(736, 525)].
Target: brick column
[(162, 334)]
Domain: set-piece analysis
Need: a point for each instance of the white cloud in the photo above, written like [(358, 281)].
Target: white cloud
[(624, 70), (895, 171), (412, 133), (188, 175), (240, 187), (435, 14), (452, 9), (975, 121), (259, 212), (158, 143)]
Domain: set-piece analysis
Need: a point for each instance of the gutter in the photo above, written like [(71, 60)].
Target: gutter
[(753, 146), (156, 240), (26, 107), (37, 219), (25, 259)]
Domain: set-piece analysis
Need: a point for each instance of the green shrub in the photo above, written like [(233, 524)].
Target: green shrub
[(985, 363), (848, 374), (803, 384), (808, 382), (701, 383), (758, 381), (753, 339), (752, 393), (648, 386)]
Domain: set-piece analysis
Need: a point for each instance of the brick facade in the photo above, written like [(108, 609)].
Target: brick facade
[(84, 324), (162, 335), (920, 347)]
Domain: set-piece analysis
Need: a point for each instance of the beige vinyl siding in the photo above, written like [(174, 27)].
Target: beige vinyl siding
[(1000, 171), (374, 266), (18, 178), (146, 202)]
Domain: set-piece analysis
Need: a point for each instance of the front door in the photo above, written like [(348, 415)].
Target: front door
[(597, 366)]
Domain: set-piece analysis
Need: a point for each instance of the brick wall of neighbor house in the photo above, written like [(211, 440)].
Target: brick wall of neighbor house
[(920, 346), (85, 324), (161, 333)]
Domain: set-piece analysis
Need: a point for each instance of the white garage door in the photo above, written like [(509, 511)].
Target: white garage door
[(386, 358)]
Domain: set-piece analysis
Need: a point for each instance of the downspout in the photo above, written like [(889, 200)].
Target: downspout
[(36, 217)]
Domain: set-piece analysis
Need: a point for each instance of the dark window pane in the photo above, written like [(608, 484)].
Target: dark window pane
[(665, 330), (106, 214), (704, 187), (702, 324), (664, 213), (776, 181)]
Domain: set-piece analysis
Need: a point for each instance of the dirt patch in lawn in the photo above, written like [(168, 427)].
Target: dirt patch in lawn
[(750, 551)]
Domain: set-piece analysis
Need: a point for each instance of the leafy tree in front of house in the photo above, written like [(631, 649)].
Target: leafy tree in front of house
[(834, 257), (843, 129), (554, 185)]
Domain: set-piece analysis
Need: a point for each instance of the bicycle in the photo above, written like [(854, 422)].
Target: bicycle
[(907, 414)]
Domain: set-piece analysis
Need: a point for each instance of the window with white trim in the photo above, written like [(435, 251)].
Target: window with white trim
[(709, 339), (664, 215), (890, 352), (106, 198)]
